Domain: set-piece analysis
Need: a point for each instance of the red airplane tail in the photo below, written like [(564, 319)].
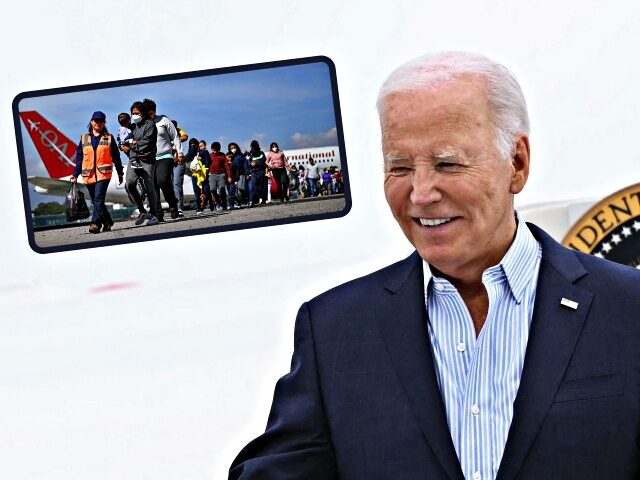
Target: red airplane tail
[(56, 150)]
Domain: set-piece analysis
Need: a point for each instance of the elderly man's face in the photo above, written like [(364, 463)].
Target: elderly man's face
[(445, 182)]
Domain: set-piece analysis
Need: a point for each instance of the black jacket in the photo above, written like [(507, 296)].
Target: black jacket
[(145, 134), (260, 159), (362, 399), (239, 166)]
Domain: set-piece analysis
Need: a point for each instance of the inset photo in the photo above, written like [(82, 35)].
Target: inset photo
[(182, 154)]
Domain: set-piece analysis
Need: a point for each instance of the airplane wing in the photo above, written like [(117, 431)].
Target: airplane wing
[(53, 186)]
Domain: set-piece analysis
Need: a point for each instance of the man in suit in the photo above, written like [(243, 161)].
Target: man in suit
[(492, 351)]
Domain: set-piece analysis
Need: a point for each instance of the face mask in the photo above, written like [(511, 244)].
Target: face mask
[(234, 150), (136, 118), (274, 149)]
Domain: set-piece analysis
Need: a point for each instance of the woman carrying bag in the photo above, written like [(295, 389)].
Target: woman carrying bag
[(96, 155), (277, 162)]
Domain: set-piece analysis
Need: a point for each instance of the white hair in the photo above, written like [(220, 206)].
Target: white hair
[(505, 97)]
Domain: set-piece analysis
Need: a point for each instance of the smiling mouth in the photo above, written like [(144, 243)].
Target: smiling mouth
[(434, 222)]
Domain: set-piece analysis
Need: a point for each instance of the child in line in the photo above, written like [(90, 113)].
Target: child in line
[(125, 135)]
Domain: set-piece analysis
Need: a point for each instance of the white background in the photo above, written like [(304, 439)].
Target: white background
[(156, 381)]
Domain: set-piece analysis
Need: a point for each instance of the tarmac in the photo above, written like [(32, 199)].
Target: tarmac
[(208, 221)]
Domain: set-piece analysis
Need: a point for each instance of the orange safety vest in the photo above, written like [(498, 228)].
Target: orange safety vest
[(96, 164)]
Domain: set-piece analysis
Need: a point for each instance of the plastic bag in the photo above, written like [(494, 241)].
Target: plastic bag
[(195, 165), (75, 207), (242, 183)]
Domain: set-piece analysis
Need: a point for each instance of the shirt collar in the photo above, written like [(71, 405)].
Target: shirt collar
[(518, 264)]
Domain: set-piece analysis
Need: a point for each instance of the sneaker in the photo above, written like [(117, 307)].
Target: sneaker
[(160, 218), (174, 213), (107, 226), (236, 206), (94, 228), (180, 213), (198, 212), (152, 221), (141, 218), (250, 204), (218, 207), (259, 201)]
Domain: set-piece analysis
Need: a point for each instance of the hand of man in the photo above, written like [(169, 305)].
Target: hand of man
[(125, 148), (181, 160), (120, 178), (73, 179)]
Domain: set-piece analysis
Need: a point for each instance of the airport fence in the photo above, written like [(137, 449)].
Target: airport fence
[(44, 222)]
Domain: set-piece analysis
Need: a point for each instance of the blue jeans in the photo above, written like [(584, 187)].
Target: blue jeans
[(207, 192), (232, 195), (98, 192), (178, 180), (313, 187), (255, 184)]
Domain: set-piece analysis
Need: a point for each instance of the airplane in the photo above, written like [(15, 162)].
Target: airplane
[(325, 157), (58, 154)]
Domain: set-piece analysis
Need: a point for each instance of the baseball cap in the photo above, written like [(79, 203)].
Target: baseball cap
[(98, 115)]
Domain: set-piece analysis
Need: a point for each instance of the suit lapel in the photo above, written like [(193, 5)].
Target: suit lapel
[(402, 320), (553, 335)]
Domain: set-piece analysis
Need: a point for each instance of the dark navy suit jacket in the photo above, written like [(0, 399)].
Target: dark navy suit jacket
[(362, 399)]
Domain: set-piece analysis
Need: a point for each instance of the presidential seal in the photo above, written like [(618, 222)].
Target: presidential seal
[(610, 229)]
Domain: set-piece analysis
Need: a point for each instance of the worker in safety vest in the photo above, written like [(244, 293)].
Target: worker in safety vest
[(96, 156)]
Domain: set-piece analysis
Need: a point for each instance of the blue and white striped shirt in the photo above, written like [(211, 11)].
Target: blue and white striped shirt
[(479, 377)]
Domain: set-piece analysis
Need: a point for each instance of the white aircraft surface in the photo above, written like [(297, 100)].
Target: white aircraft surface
[(159, 359), (557, 217)]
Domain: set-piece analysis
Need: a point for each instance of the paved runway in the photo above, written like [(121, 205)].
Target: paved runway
[(195, 223)]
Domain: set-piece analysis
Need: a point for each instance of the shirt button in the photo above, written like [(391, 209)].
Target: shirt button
[(477, 476), (475, 409), (460, 347), (439, 287)]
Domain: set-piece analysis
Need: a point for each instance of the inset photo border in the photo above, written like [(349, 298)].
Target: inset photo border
[(213, 114)]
